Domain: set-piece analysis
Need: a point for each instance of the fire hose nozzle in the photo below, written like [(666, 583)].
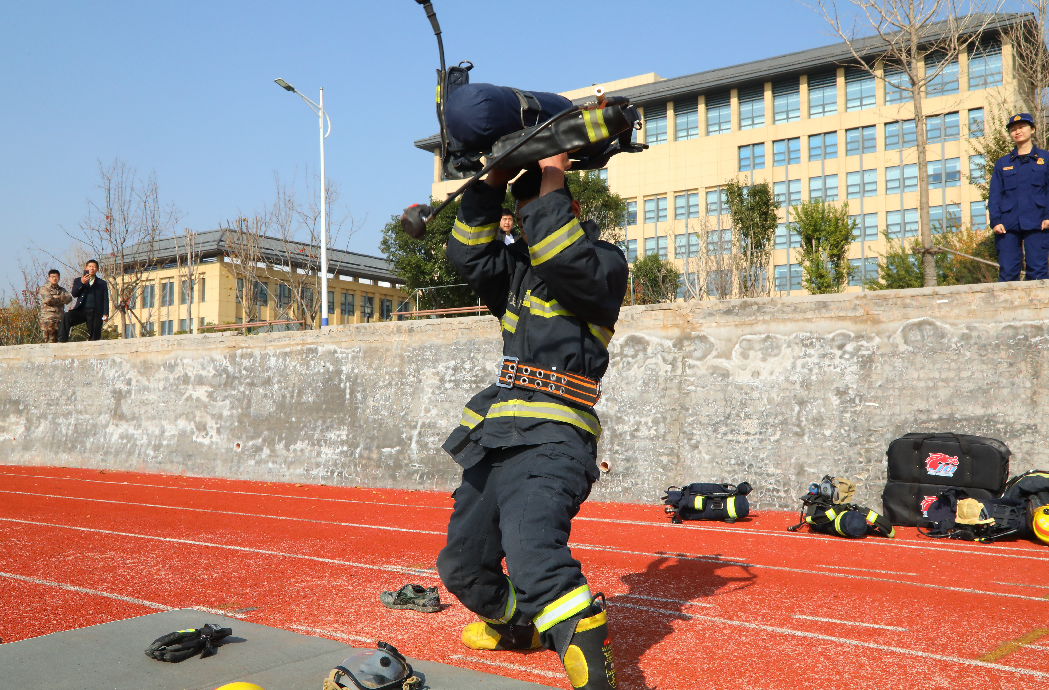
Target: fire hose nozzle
[(415, 219)]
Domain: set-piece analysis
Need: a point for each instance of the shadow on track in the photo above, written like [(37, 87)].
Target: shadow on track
[(644, 616)]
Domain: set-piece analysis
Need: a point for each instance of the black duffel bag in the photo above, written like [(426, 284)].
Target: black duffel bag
[(707, 501), (1032, 489), (946, 459), (906, 504)]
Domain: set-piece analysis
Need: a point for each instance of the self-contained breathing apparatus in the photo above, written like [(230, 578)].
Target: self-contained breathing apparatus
[(956, 515), (703, 501), (520, 129), (827, 508)]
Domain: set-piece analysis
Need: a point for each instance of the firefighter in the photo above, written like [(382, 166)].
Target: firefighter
[(528, 443), (1018, 205)]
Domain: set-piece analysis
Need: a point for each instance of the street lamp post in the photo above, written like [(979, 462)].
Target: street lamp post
[(318, 108)]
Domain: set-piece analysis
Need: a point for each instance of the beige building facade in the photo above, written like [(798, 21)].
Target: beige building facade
[(813, 126), (361, 289)]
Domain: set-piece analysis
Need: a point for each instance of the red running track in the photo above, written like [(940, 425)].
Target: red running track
[(749, 605)]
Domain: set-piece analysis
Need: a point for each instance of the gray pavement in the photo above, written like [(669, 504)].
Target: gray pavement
[(110, 657)]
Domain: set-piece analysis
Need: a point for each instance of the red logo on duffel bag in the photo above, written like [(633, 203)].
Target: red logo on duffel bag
[(926, 504), (941, 465)]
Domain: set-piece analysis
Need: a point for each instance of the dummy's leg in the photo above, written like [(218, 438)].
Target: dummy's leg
[(471, 564)]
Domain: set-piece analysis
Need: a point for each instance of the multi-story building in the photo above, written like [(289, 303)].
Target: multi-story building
[(813, 125), (361, 288)]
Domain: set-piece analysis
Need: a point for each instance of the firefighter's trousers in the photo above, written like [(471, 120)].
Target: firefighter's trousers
[(518, 504)]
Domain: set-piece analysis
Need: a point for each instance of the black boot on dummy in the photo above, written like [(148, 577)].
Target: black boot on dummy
[(585, 650)]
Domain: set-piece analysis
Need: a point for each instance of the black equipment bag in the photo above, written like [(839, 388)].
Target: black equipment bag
[(998, 518), (183, 644), (949, 460), (826, 509), (907, 504), (706, 501), (1032, 489)]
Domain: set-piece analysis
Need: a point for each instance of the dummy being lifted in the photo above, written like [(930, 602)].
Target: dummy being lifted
[(514, 129)]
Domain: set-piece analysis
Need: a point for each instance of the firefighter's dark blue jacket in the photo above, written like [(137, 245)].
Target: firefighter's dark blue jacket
[(557, 297), (1019, 195)]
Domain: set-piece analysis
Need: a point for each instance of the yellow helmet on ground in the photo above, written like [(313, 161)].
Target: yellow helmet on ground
[(240, 685), (1040, 523)]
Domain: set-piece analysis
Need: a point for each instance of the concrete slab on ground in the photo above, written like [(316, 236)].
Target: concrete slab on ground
[(110, 657)]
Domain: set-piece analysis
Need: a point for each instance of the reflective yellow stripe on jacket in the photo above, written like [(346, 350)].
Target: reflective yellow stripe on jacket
[(545, 309), (509, 321), (601, 333), (470, 418), (595, 124), (544, 410), (557, 241), (482, 234)]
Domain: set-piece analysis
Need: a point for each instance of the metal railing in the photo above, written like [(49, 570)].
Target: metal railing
[(253, 324), (441, 312)]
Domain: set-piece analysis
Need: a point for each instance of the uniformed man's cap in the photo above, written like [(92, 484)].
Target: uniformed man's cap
[(1020, 117)]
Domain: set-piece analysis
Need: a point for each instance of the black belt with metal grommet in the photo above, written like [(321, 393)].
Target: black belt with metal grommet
[(575, 387)]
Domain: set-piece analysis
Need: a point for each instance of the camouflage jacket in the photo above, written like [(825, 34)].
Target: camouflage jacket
[(53, 299)]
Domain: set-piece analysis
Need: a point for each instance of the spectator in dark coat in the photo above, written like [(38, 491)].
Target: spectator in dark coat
[(91, 307)]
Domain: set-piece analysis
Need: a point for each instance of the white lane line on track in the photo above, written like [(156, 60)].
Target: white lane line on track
[(953, 548), (226, 512), (710, 559), (430, 573), (841, 640), (225, 491), (332, 633), (683, 602), (840, 622), (1019, 584), (503, 664), (865, 570), (386, 568), (110, 595)]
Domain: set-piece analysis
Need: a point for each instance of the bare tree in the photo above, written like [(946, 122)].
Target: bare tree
[(20, 313), (121, 230), (1031, 59), (187, 263), (905, 33), (242, 243)]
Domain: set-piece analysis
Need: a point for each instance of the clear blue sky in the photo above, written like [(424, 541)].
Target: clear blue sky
[(186, 90)]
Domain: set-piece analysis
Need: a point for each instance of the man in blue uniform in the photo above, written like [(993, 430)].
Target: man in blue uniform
[(528, 443), (1019, 205)]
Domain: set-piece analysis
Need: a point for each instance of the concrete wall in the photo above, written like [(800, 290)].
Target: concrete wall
[(776, 391)]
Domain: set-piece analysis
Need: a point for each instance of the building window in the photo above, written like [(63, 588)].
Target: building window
[(262, 294), (823, 146), (945, 82), (147, 329), (823, 95), (686, 246), (862, 271), (781, 278), (183, 326), (655, 124), (897, 87), (167, 327), (752, 107), (385, 309), (976, 123), (978, 214), (907, 221), (656, 210), (167, 294), (859, 184), (686, 119), (200, 289), (900, 133), (631, 251), (945, 218), (985, 67), (825, 187), (367, 308), (602, 174), (785, 234), (719, 242), (686, 205), (331, 301), (909, 182), (656, 245), (945, 173), (717, 204), (751, 157), (786, 152), (719, 114), (939, 128), (866, 227), (780, 192), (861, 140), (859, 90), (786, 102), (631, 213), (148, 296), (976, 168), (348, 304), (186, 295), (129, 330), (284, 296)]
